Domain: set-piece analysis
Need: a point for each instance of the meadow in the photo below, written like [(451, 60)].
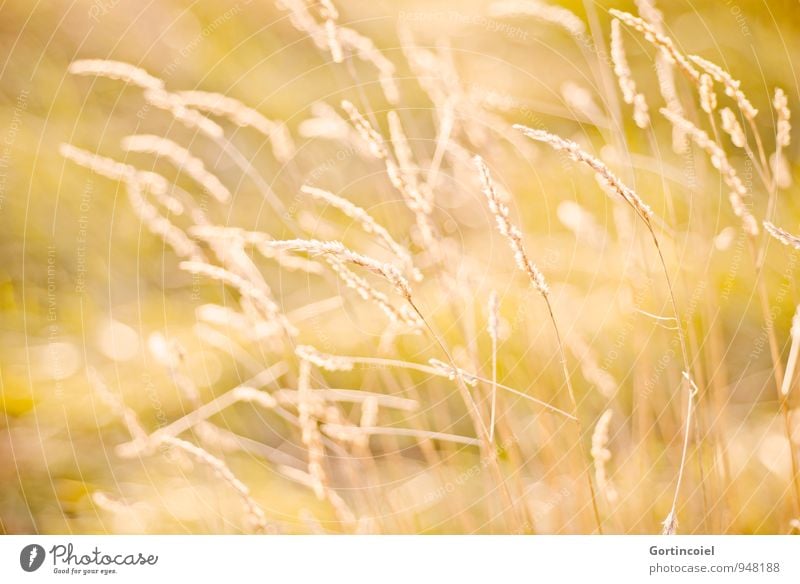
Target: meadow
[(507, 267)]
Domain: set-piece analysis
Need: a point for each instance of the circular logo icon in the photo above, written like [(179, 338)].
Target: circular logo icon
[(31, 557)]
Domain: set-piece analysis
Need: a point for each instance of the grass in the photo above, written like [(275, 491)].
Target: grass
[(423, 305)]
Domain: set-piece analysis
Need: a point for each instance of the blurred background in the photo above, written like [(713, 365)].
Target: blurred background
[(83, 284)]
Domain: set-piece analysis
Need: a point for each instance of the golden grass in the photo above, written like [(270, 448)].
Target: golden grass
[(388, 361)]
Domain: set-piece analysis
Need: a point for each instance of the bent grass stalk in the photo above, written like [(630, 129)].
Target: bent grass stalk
[(347, 363), (514, 237), (644, 213)]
